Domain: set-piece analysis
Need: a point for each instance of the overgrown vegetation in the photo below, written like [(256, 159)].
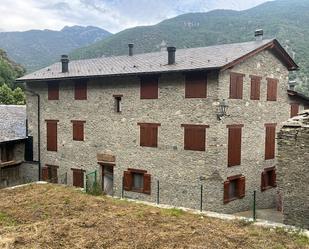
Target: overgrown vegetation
[(9, 92)]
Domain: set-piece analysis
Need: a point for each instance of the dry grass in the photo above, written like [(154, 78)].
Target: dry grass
[(52, 216)]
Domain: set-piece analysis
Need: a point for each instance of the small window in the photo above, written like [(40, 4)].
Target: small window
[(272, 85), (236, 85), (118, 104), (255, 87), (268, 179), (234, 188), (50, 173), (53, 90), (137, 180), (78, 130), (80, 90), (7, 152), (234, 144), (149, 134), (194, 137), (78, 178), (196, 85), (149, 87), (270, 141), (294, 109), (51, 131)]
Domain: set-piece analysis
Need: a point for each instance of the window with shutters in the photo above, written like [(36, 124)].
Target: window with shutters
[(78, 177), (7, 152), (149, 134), (236, 85), (149, 87), (272, 85), (53, 90), (270, 141), (137, 180), (255, 87), (80, 90), (294, 109), (194, 137), (234, 188), (268, 179), (78, 130), (234, 144), (196, 85), (50, 173), (51, 131)]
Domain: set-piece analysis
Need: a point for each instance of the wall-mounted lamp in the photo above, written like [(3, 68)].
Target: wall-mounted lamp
[(222, 109)]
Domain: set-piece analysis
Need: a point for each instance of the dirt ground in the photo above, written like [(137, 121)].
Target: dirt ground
[(54, 216)]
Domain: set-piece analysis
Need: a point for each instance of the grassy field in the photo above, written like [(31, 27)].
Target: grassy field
[(53, 216)]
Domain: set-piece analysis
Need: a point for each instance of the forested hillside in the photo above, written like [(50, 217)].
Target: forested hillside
[(286, 20)]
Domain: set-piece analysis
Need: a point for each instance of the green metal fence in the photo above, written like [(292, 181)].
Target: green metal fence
[(92, 184)]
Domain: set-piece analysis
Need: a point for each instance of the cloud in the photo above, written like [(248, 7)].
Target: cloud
[(113, 15)]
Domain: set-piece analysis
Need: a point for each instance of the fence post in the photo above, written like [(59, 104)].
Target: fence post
[(122, 189), (158, 192), (201, 198), (254, 205)]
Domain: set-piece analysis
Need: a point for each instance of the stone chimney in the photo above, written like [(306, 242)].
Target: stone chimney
[(171, 55), (65, 63), (292, 85), (259, 34), (130, 45)]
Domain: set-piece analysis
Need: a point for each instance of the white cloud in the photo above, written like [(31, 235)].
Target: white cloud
[(113, 15)]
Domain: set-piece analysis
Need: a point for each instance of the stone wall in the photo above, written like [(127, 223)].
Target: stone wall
[(180, 172), (293, 170)]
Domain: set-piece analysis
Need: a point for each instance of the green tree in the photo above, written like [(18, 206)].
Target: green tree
[(19, 96), (6, 95)]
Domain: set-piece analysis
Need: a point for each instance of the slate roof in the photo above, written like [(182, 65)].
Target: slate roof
[(212, 57), (12, 122)]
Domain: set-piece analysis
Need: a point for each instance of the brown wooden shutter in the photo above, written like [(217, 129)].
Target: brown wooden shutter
[(53, 174), (127, 181), (236, 85), (53, 90), (78, 178), (294, 109), (263, 181), (272, 89), (196, 85), (270, 141), (147, 184), (234, 145), (226, 189), (148, 134), (273, 178), (194, 137), (153, 136), (143, 136), (80, 92), (51, 130), (78, 130), (241, 186), (149, 87), (45, 175), (255, 87)]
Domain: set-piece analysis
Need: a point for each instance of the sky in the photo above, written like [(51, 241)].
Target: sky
[(112, 15)]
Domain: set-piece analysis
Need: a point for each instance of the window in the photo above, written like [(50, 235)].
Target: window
[(236, 85), (149, 134), (234, 188), (53, 90), (194, 137), (50, 173), (294, 109), (268, 179), (78, 177), (137, 180), (270, 140), (272, 85), (196, 85), (234, 145), (118, 102), (255, 87), (80, 91), (51, 131), (149, 87), (7, 152), (78, 130)]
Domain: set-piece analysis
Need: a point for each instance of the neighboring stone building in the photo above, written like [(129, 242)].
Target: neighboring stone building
[(161, 116), (299, 102), (293, 170), (14, 143)]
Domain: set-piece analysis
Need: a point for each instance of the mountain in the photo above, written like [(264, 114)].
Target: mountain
[(284, 19), (38, 48)]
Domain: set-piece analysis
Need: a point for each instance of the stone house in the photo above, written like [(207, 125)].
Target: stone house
[(15, 146), (162, 117), (298, 101), (293, 170)]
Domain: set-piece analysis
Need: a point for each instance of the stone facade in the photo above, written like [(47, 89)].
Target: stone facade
[(180, 172), (293, 170)]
